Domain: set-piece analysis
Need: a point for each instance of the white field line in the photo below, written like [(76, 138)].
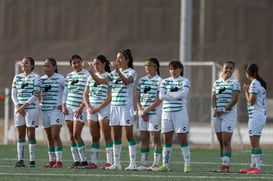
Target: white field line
[(246, 177)]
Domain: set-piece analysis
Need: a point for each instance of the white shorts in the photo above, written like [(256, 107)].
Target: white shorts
[(256, 125), (175, 121), (53, 117), (71, 115), (225, 123), (121, 116), (103, 113), (30, 120), (154, 123)]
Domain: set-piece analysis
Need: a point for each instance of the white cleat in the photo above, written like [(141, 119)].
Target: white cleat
[(141, 168), (114, 167), (152, 168), (131, 167)]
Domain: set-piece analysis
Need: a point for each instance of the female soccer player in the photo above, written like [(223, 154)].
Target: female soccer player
[(122, 108), (97, 98), (74, 109), (25, 94), (173, 93), (149, 110), (225, 93), (52, 87), (255, 94)]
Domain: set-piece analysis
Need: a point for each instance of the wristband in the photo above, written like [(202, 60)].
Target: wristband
[(224, 110)]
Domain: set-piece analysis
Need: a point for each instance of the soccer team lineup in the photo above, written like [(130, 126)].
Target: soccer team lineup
[(103, 95)]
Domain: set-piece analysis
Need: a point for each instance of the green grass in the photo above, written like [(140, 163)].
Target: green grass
[(204, 162)]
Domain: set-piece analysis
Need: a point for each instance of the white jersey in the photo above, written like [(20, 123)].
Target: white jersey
[(149, 90), (98, 93), (223, 90), (23, 88), (122, 95), (173, 92), (260, 106), (52, 91), (74, 88)]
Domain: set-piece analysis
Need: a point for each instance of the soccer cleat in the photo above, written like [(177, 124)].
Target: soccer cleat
[(75, 165), (152, 168), (114, 167), (246, 170), (255, 171), (58, 164), (31, 164), (103, 167), (163, 169), (187, 168), (131, 167), (49, 164), (91, 166), (223, 169), (20, 163), (141, 168)]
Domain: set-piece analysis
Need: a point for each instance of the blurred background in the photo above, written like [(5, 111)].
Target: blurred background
[(237, 30)]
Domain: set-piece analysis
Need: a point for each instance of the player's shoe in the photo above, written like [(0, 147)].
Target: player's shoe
[(49, 164), (246, 170), (223, 169), (91, 166), (131, 167), (255, 171), (141, 168), (152, 168), (163, 169), (187, 168), (75, 164), (20, 163), (31, 164), (114, 167), (103, 167), (58, 164)]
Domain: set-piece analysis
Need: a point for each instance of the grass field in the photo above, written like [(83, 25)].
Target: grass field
[(204, 162)]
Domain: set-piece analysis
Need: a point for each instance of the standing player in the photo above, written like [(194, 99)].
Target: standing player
[(97, 98), (255, 94), (74, 109), (52, 86), (149, 109), (225, 93), (25, 94), (122, 107), (173, 92)]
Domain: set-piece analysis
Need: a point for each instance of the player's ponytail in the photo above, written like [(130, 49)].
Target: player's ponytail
[(252, 70)]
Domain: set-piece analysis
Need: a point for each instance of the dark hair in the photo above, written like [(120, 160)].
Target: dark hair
[(128, 55), (53, 62), (177, 64), (74, 57), (103, 59), (156, 62), (230, 62), (31, 60), (252, 69)]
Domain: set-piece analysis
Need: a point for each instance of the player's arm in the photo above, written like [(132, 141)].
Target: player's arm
[(99, 80)]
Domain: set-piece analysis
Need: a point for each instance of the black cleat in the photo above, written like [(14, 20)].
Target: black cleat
[(20, 163), (31, 164)]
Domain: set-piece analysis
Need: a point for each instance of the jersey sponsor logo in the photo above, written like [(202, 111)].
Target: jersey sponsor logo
[(174, 89), (74, 82), (221, 90), (24, 85), (47, 88), (147, 89)]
